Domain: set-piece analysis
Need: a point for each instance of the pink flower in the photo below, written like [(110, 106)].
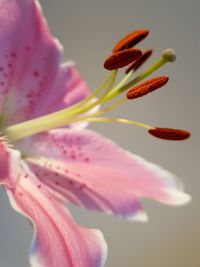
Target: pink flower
[(43, 168)]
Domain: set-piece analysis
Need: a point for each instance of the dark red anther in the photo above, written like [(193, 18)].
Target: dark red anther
[(147, 87), (131, 40), (138, 63), (169, 134), (122, 58)]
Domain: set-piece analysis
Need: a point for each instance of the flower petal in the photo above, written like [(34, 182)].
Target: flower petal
[(74, 89), (9, 164), (30, 74), (93, 172), (58, 241), (67, 90)]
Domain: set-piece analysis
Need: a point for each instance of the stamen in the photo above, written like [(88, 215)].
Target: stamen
[(118, 120), (122, 58), (131, 40), (158, 64), (76, 118), (109, 80), (100, 100), (78, 111), (169, 134), (147, 87), (138, 63)]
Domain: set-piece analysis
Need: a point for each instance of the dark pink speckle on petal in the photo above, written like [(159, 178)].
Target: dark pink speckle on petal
[(35, 73), (13, 54), (87, 159)]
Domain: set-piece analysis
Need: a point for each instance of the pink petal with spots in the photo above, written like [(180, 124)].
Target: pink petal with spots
[(58, 241), (9, 164), (74, 89), (93, 172), (67, 90), (30, 75)]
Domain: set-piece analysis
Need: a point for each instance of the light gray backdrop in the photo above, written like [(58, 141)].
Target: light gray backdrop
[(88, 29)]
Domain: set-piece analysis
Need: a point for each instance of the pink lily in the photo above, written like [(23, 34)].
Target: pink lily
[(41, 167)]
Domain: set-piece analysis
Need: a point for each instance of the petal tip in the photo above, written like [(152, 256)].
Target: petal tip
[(179, 198), (104, 246), (69, 63), (140, 217)]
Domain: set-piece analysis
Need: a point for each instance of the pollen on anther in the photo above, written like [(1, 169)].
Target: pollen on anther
[(169, 134), (122, 58), (131, 40), (147, 87)]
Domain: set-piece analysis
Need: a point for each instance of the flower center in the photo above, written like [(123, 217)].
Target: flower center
[(84, 110)]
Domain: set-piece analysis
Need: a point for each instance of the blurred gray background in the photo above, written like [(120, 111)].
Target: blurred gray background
[(88, 29)]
